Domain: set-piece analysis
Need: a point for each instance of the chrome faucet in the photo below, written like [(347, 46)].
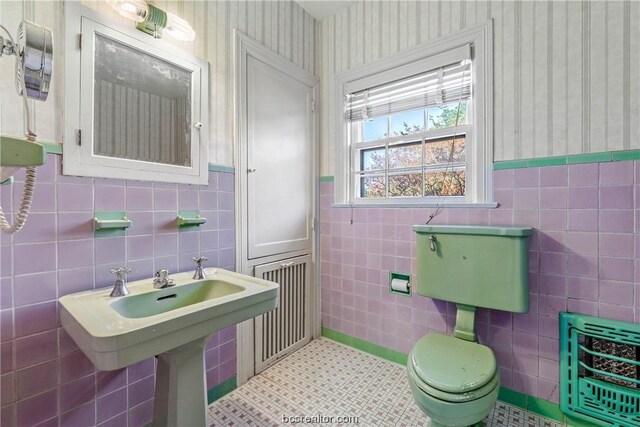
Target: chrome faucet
[(120, 287), (162, 280), (199, 273)]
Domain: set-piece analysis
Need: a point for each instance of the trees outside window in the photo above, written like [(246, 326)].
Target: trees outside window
[(427, 166)]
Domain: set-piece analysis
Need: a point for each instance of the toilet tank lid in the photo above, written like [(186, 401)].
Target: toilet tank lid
[(484, 230)]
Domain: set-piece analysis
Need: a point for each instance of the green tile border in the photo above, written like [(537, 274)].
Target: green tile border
[(511, 164), (617, 156), (547, 161), (532, 404), (367, 347), (51, 147), (589, 158), (572, 159), (221, 168), (222, 389), (326, 179)]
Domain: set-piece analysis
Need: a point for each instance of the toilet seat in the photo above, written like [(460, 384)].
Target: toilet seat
[(467, 396), (453, 369)]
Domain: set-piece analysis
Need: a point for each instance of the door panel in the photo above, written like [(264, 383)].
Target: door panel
[(279, 155)]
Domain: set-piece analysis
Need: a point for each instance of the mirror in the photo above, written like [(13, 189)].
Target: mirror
[(142, 105)]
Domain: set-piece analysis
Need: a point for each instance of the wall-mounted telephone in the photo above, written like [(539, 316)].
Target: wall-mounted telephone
[(34, 63)]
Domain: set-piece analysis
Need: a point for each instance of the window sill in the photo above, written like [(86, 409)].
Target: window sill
[(465, 205)]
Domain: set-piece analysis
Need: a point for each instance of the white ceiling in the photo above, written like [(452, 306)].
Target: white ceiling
[(321, 9)]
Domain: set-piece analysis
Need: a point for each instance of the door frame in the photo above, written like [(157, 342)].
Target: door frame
[(245, 46)]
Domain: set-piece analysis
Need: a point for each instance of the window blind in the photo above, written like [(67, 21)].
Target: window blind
[(438, 86)]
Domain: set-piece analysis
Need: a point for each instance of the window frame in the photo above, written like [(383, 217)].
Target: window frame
[(479, 140)]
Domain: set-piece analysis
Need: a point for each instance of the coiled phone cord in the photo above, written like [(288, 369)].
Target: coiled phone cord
[(29, 181)]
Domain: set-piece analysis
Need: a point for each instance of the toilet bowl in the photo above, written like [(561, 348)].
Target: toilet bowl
[(453, 381)]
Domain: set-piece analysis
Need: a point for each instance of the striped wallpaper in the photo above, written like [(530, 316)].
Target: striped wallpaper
[(567, 73), (567, 77), (282, 26)]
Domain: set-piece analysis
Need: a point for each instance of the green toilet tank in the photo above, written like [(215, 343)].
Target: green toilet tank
[(480, 266)]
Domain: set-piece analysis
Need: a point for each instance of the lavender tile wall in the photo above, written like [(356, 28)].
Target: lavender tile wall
[(583, 257), (44, 378)]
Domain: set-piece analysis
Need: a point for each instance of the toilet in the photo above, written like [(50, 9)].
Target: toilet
[(454, 379)]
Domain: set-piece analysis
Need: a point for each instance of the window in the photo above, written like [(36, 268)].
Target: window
[(398, 150), (416, 126)]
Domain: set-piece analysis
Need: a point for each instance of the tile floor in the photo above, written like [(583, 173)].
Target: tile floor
[(328, 379)]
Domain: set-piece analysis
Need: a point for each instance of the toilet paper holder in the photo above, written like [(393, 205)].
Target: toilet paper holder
[(399, 284)]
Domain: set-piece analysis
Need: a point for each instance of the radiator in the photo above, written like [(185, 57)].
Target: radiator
[(285, 329), (600, 370)]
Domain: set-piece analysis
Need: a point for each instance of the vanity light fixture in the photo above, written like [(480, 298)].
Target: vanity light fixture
[(154, 21)]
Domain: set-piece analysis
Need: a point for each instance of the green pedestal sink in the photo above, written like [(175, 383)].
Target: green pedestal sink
[(173, 324)]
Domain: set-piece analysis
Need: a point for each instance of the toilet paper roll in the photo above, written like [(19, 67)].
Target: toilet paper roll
[(400, 285)]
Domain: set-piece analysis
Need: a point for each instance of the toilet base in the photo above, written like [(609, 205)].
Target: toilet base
[(449, 414)]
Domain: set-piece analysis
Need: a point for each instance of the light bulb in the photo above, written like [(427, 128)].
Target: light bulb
[(136, 10), (178, 28)]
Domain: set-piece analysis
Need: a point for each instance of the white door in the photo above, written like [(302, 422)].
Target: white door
[(275, 178), (279, 156)]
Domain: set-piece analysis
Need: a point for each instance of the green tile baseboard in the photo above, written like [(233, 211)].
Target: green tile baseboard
[(532, 404), (221, 390), (571, 159), (367, 347)]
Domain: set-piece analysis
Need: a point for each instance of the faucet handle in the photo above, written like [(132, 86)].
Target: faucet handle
[(120, 287), (162, 274), (199, 259), (199, 273), (120, 272)]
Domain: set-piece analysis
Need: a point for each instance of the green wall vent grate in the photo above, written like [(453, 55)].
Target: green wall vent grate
[(600, 370)]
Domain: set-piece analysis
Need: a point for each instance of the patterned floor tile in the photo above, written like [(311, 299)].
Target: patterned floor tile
[(327, 379)]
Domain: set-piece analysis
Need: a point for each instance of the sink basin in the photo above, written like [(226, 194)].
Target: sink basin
[(118, 332), (173, 324), (152, 303)]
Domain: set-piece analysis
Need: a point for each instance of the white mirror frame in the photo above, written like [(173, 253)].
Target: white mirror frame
[(79, 159)]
